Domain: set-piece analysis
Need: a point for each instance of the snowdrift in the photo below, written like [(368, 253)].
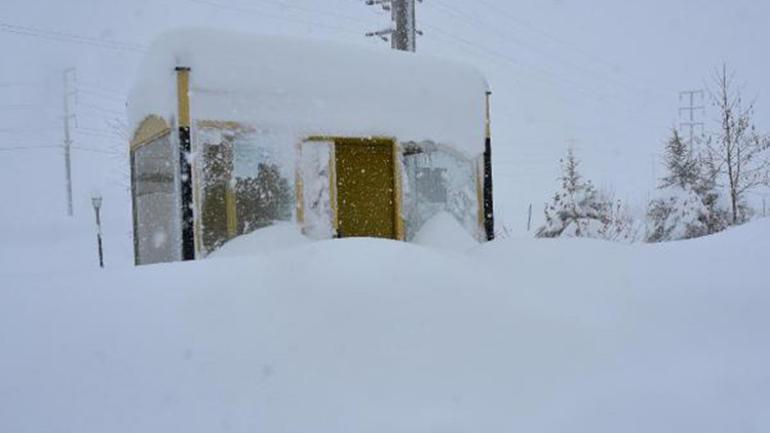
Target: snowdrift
[(378, 336)]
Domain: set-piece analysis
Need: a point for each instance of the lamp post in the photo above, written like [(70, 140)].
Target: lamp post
[(96, 201)]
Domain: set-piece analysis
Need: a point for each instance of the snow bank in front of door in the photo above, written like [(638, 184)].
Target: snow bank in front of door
[(443, 231), (277, 237)]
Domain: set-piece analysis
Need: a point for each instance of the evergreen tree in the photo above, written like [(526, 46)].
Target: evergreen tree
[(683, 168), (687, 205), (716, 217), (579, 210)]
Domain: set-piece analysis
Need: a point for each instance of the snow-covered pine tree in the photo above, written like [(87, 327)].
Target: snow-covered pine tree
[(717, 216), (580, 210), (678, 213), (687, 205), (683, 168)]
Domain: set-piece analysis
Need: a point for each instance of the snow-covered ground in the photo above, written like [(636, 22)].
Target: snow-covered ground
[(363, 335)]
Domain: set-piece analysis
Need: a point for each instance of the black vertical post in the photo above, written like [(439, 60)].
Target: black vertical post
[(489, 209), (134, 210), (529, 217), (96, 201), (185, 165), (99, 237)]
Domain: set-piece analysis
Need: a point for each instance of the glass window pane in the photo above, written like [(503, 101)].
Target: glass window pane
[(157, 225), (438, 179)]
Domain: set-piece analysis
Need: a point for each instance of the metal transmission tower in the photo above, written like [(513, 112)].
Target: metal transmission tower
[(403, 30), (690, 109), (69, 78)]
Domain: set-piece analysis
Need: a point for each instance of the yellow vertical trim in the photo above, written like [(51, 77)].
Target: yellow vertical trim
[(398, 194), (299, 188), (183, 95), (488, 117), (197, 208), (232, 212), (480, 197), (184, 121), (333, 186)]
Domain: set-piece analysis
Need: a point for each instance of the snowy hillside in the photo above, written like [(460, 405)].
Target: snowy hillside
[(368, 336)]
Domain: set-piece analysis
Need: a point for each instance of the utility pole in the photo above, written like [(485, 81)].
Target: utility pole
[(96, 201), (690, 109), (68, 81), (529, 217), (403, 30), (405, 35), (489, 208)]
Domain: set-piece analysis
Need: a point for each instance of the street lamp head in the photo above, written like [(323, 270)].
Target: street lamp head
[(96, 201)]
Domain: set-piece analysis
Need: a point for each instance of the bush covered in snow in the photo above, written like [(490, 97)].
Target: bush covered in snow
[(580, 210), (688, 204)]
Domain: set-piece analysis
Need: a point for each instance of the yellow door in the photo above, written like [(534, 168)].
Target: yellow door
[(366, 189)]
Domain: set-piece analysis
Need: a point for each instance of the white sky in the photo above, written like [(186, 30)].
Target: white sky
[(603, 75)]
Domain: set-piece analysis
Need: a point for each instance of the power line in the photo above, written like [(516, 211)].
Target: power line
[(105, 90), (511, 17), (96, 131), (15, 148), (19, 107), (82, 148), (496, 55), (56, 35), (104, 136), (19, 84), (311, 10), (541, 74), (94, 107), (96, 135), (509, 37), (95, 150), (102, 95), (261, 13), (23, 131), (101, 116)]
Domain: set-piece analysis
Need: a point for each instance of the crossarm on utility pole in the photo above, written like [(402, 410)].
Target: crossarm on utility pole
[(403, 34)]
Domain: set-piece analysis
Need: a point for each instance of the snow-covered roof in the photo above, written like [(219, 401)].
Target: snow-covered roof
[(315, 88)]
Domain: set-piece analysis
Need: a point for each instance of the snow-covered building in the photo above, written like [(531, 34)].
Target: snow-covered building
[(232, 132)]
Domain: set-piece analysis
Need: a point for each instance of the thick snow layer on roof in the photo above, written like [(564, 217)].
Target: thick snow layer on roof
[(309, 88)]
